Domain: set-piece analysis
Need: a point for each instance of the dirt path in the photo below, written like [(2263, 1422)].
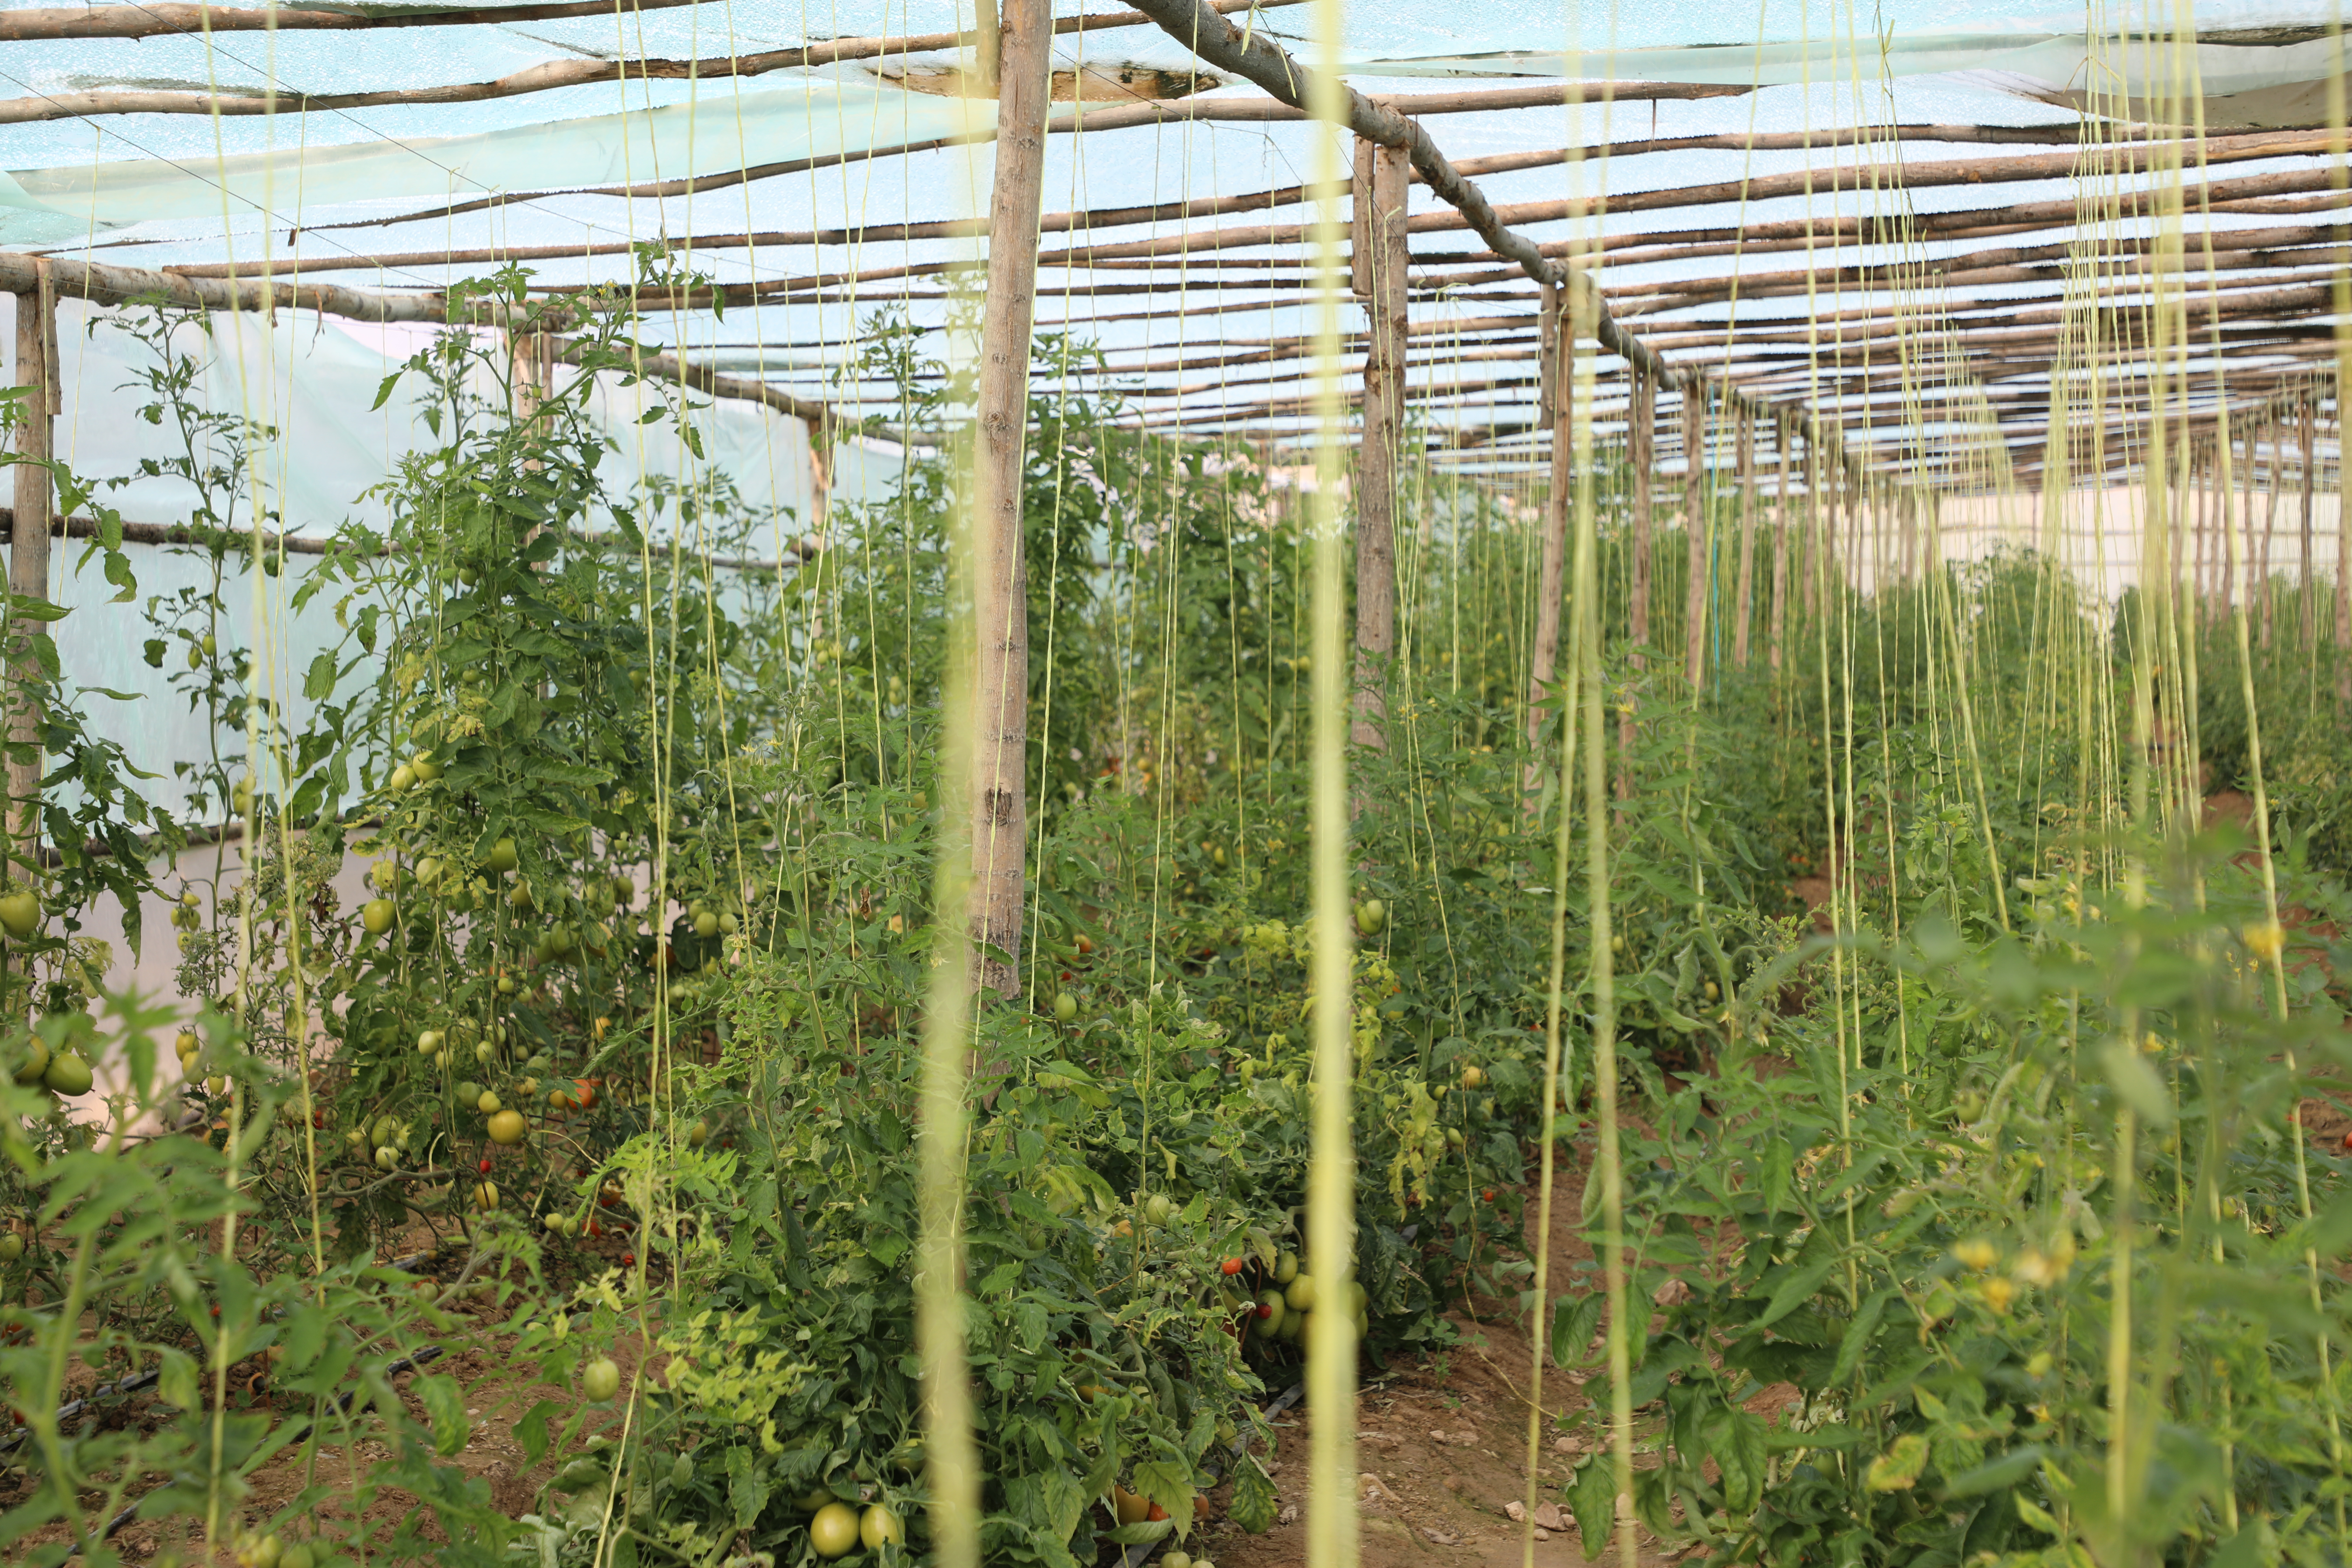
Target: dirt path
[(1442, 1441)]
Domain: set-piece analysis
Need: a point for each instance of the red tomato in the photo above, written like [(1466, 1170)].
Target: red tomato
[(1490, 1195), (1266, 1310), (1232, 1265), (628, 1261), (1157, 1513)]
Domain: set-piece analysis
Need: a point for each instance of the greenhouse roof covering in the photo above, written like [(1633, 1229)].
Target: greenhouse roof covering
[(1936, 228)]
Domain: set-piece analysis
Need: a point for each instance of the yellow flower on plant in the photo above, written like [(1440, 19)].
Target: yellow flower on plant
[(2038, 1267), (1998, 1292), (1976, 1254), (2266, 940)]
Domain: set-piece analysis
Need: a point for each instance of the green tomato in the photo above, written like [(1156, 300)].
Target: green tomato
[(601, 1379), (705, 924), (503, 857), (1065, 1008), (12, 1247), (20, 914), (834, 1530), (67, 1075), (879, 1525), (377, 915)]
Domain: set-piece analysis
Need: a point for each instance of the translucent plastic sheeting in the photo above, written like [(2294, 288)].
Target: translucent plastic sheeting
[(2243, 81), (310, 384), (818, 114)]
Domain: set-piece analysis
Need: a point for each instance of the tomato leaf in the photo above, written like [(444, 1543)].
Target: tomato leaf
[(1252, 1507), (532, 1431), (1169, 1486), (445, 1405)]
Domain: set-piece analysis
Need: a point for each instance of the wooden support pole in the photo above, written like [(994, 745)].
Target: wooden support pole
[(2234, 592), (1744, 598), (1383, 215), (2201, 498), (1641, 438), (2308, 584), (28, 547), (1559, 388), (1785, 440), (1815, 524), (1000, 828), (1698, 546), (2342, 570), (2264, 569), (1360, 226)]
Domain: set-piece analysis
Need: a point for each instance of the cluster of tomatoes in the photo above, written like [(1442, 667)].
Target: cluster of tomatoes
[(1285, 1298)]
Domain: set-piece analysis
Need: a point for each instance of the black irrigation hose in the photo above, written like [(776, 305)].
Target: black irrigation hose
[(139, 1381)]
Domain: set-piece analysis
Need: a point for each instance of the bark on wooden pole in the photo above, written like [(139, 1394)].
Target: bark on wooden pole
[(999, 829), (1383, 214), (1783, 439), (2203, 499), (2262, 568), (1697, 547), (1744, 600), (1641, 436), (2309, 585), (2343, 574), (1559, 383), (1812, 528), (28, 548)]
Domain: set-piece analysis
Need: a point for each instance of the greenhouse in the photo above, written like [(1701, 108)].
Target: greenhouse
[(1239, 782)]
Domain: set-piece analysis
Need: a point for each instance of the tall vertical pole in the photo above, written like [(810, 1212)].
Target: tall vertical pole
[(2308, 584), (1559, 385), (28, 549), (1745, 457), (1000, 823), (1382, 213), (1698, 546), (2263, 566), (1784, 436), (2343, 566), (1640, 438)]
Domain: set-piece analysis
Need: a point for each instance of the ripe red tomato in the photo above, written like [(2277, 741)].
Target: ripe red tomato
[(628, 1261), (1266, 1308), (1232, 1265), (485, 1163), (1490, 1195)]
